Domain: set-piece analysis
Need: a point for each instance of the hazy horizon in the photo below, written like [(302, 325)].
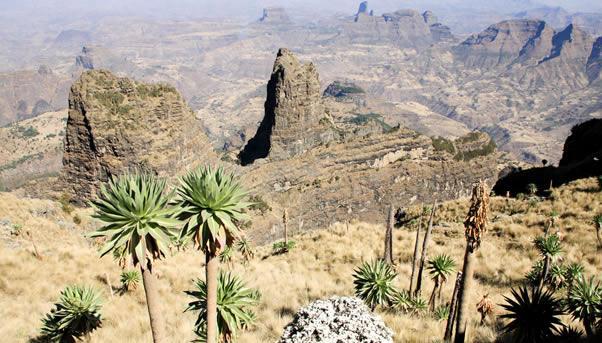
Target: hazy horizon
[(249, 9)]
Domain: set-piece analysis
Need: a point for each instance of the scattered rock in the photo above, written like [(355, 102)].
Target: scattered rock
[(338, 319)]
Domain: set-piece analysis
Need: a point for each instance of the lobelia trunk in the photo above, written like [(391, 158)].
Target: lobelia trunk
[(388, 257), (449, 328), (211, 270), (416, 251), (545, 271), (464, 295), (285, 224), (153, 304), (433, 297), (425, 243), (587, 324)]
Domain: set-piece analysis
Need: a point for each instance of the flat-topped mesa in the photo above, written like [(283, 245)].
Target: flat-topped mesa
[(294, 113), (405, 28), (275, 15), (117, 125)]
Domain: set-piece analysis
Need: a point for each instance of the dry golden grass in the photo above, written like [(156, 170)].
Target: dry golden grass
[(320, 266)]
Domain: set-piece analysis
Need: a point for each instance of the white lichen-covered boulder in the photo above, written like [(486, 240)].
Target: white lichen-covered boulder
[(336, 320)]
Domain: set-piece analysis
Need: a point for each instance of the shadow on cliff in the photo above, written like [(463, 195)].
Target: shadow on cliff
[(259, 145), (581, 158)]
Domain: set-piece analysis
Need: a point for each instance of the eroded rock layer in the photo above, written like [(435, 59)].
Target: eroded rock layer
[(116, 124)]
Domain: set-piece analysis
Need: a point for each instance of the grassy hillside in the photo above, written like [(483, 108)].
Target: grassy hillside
[(321, 265)]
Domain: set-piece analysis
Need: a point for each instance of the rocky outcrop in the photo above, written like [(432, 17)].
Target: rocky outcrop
[(581, 158), (570, 44), (528, 43), (342, 89), (275, 15), (116, 124), (363, 11), (585, 142), (85, 59), (292, 123), (594, 62), (505, 42), (338, 319), (430, 18), (404, 28)]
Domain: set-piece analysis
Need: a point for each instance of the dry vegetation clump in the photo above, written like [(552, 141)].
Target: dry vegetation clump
[(320, 266)]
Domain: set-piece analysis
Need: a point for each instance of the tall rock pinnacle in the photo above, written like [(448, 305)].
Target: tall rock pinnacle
[(293, 112)]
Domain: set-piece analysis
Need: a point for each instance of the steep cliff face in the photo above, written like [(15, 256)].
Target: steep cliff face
[(293, 113), (585, 142), (525, 42), (116, 124), (404, 28), (505, 42), (594, 62)]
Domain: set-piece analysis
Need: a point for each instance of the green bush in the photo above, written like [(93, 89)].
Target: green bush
[(373, 283), (441, 313), (363, 119), (29, 132), (130, 279), (471, 154), (443, 144), (282, 247), (76, 314), (258, 204), (234, 306)]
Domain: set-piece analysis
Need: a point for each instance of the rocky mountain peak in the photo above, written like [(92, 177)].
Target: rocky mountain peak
[(523, 41), (501, 43), (85, 59), (116, 124), (293, 111), (275, 15), (569, 44), (430, 18), (407, 28), (363, 11)]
